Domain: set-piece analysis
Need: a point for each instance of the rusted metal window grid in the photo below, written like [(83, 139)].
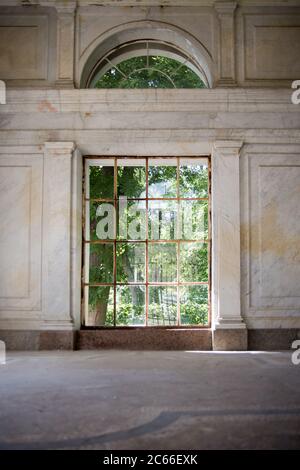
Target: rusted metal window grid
[(145, 241)]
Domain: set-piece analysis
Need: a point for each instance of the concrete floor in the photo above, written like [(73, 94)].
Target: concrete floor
[(149, 400)]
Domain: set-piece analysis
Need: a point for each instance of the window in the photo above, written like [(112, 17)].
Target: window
[(149, 72), (146, 242), (147, 64)]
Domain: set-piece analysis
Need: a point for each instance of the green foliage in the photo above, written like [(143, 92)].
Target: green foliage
[(162, 262), (101, 179), (101, 307), (131, 181), (162, 181), (130, 315), (162, 315), (130, 262), (194, 314), (160, 72), (194, 305), (193, 264), (194, 219), (131, 305), (101, 263), (193, 181), (98, 294)]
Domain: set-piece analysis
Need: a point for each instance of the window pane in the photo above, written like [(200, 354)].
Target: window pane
[(130, 306), (194, 305), (100, 306), (131, 262), (146, 71), (100, 262), (162, 261), (162, 178), (162, 220), (162, 306), (131, 178), (193, 177), (123, 226), (129, 65), (102, 221), (193, 220), (131, 219), (193, 262), (101, 179)]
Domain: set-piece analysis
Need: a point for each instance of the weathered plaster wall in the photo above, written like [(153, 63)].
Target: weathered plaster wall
[(28, 46), (251, 125), (166, 122), (271, 235), (246, 43)]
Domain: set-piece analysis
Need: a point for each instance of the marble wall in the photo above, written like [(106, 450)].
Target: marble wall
[(253, 138), (21, 183), (239, 42), (271, 236), (247, 123), (27, 46)]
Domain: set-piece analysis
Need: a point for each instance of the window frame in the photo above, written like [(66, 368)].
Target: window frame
[(146, 283), (144, 47)]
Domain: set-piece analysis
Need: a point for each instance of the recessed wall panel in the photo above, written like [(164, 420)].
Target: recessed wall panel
[(20, 235)]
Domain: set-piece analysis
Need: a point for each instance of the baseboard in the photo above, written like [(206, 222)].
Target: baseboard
[(272, 339), (151, 339), (146, 339), (38, 340)]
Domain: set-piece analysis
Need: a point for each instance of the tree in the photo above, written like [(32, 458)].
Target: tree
[(152, 72)]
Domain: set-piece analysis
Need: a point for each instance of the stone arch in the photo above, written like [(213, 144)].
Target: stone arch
[(167, 34)]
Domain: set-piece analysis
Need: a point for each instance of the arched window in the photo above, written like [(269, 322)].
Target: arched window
[(147, 64)]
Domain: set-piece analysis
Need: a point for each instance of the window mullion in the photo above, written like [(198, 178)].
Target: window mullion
[(183, 287), (147, 245), (178, 242), (115, 239)]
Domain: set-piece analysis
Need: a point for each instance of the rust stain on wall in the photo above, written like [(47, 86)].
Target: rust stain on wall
[(276, 239), (45, 105)]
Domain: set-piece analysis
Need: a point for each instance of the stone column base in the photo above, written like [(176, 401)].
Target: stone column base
[(230, 339)]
